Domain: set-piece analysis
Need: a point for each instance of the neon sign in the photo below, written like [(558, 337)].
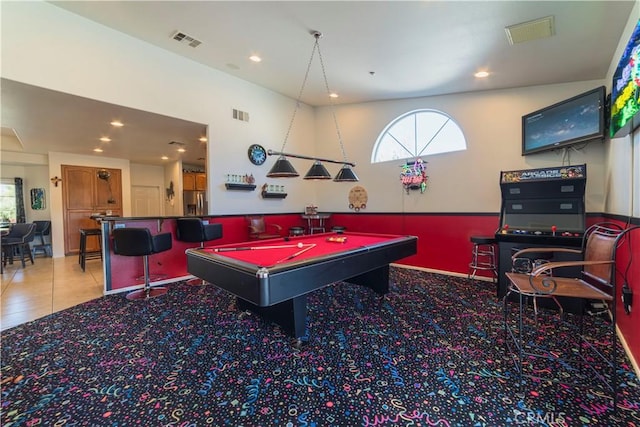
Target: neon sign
[(414, 176)]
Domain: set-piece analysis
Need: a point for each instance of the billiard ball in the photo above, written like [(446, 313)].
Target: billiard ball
[(299, 244)]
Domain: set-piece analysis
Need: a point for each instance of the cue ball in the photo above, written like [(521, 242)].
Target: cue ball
[(300, 244)]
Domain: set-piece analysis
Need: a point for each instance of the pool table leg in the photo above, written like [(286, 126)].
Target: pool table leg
[(290, 315), (377, 279)]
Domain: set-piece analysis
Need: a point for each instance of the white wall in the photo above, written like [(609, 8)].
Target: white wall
[(86, 59), (33, 176), (173, 173), (463, 181)]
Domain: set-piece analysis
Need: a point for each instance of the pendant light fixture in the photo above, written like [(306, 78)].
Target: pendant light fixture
[(283, 168)]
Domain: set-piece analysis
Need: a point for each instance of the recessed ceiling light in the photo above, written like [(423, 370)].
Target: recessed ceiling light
[(255, 58), (333, 95), (181, 150), (117, 123), (203, 139), (481, 74), (105, 139), (164, 158), (98, 150)]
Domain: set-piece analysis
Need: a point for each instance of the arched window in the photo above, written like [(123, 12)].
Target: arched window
[(418, 133)]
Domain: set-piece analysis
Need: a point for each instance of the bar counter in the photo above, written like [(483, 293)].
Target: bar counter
[(126, 273)]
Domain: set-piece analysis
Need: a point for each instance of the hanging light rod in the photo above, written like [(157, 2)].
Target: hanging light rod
[(300, 156)]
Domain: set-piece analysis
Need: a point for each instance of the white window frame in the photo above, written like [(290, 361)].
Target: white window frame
[(442, 130)]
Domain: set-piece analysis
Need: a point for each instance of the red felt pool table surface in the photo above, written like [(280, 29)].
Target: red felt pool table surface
[(272, 252)]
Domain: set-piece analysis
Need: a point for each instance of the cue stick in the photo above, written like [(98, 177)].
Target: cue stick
[(300, 252), (253, 248)]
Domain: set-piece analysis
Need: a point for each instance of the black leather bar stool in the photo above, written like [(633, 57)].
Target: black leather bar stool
[(196, 231), (483, 256), (140, 242), (83, 253)]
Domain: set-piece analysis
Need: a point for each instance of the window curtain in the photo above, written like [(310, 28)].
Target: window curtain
[(20, 213)]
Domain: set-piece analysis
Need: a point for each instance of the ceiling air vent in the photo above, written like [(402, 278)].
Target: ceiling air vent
[(531, 30), (182, 144), (186, 39)]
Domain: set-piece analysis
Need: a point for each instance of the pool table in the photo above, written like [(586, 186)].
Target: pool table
[(272, 277)]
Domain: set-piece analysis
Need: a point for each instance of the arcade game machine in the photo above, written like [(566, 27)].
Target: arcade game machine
[(540, 208)]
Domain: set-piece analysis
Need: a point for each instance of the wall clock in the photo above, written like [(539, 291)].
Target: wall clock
[(358, 198), (257, 154)]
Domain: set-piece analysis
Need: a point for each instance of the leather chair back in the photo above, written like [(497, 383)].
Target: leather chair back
[(132, 241), (43, 228), (194, 230), (21, 233), (256, 224)]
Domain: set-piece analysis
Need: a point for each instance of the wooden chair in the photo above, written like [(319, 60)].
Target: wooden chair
[(597, 283), (259, 230)]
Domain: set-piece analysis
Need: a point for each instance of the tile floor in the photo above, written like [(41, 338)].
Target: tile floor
[(47, 286)]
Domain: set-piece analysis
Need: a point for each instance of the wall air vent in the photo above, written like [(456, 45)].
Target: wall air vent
[(240, 115), (186, 39)]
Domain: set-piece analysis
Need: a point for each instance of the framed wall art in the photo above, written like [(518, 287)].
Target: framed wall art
[(37, 199)]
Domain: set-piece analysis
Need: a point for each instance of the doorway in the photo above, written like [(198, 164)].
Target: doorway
[(145, 201)]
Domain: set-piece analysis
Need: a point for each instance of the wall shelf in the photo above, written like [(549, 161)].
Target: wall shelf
[(238, 186), (268, 195)]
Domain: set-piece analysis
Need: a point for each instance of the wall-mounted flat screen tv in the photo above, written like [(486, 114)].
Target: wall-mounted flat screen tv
[(625, 89), (572, 121)]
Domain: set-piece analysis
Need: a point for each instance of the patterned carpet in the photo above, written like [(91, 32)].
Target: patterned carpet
[(431, 353)]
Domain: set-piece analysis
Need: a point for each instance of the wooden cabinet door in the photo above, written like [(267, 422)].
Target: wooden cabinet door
[(189, 181), (85, 194), (78, 183), (201, 182)]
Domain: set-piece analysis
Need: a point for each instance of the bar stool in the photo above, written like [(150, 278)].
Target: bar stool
[(296, 231), (43, 228), (83, 253), (483, 256), (131, 241), (193, 230)]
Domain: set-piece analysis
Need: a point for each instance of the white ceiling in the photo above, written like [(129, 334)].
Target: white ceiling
[(372, 50)]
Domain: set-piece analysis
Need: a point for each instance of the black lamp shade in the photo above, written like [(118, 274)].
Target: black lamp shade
[(317, 171), (345, 175), (282, 169)]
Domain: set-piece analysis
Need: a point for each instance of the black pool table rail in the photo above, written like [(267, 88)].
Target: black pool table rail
[(279, 292)]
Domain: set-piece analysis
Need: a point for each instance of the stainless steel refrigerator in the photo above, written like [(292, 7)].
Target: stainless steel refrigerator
[(195, 203)]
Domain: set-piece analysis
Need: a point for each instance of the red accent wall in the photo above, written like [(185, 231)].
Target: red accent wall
[(443, 239)]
